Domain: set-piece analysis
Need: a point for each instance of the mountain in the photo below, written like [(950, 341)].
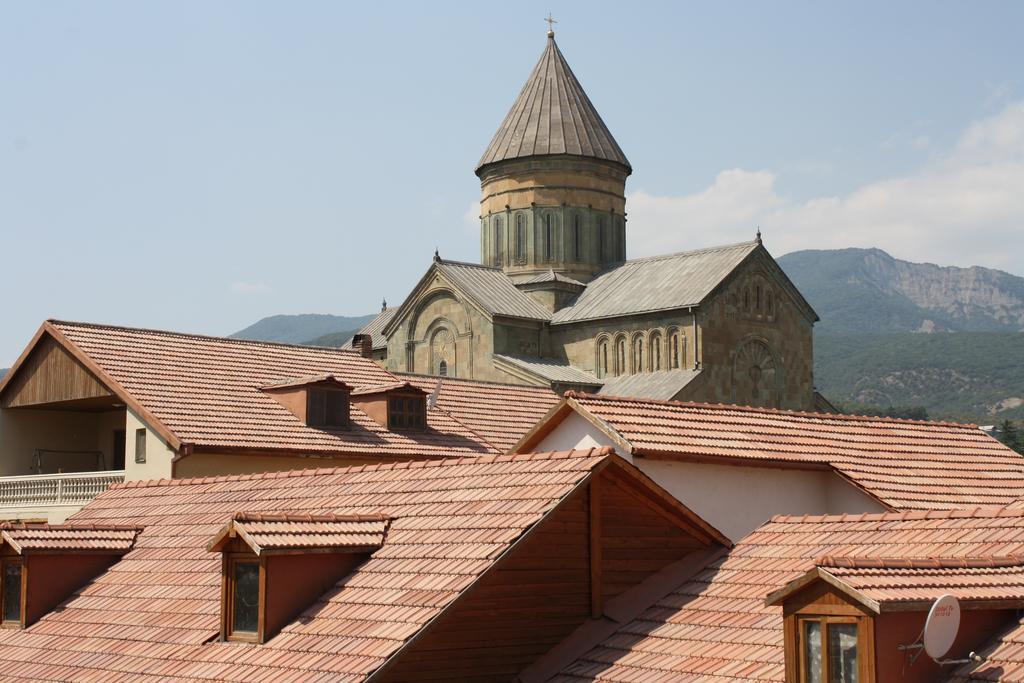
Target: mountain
[(3, 371), (895, 333), (858, 290), (966, 376), (334, 339), (299, 329)]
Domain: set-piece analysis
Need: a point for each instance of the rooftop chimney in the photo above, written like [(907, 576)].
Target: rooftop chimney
[(364, 344)]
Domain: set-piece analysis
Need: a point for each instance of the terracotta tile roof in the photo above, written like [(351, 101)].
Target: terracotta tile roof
[(919, 585), (716, 627), (903, 463), (291, 531), (382, 388), (68, 537), (154, 616), (1003, 659), (206, 391), (499, 413)]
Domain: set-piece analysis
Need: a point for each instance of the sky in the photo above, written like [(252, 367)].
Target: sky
[(196, 166)]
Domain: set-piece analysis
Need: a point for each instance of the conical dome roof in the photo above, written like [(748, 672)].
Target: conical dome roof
[(553, 115)]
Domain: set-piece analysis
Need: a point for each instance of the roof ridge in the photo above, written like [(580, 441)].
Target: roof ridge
[(975, 512), (307, 517), (769, 411), (192, 335), (920, 563), (447, 262), (467, 380), (691, 252), (595, 451)]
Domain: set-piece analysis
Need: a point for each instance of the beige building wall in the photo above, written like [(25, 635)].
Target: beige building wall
[(735, 499), (159, 454), (215, 464), (24, 430)]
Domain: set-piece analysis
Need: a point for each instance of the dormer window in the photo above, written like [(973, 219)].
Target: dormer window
[(407, 412), (321, 401), (41, 565), (262, 556), (326, 407), (11, 591), (401, 406)]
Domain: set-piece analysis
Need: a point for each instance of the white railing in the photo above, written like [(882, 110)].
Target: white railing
[(44, 490)]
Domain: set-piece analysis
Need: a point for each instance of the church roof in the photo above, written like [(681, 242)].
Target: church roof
[(553, 115), (657, 283), (662, 384), (493, 290), (375, 328), (550, 369)]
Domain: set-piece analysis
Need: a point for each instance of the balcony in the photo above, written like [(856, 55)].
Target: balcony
[(52, 497)]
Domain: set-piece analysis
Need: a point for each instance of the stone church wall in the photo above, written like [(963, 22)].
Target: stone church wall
[(579, 343), (756, 345)]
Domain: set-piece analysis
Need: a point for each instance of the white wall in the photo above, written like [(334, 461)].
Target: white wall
[(573, 432), (735, 499)]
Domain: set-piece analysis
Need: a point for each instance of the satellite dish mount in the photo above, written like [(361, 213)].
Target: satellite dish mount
[(940, 630)]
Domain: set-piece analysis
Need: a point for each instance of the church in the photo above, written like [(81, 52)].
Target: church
[(554, 301)]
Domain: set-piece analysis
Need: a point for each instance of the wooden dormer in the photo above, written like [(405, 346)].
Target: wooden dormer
[(276, 566), (400, 406), (861, 618), (42, 565), (319, 401)]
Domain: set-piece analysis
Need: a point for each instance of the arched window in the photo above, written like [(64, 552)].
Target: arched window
[(620, 239), (520, 238), (655, 353), (499, 241), (757, 298), (602, 357), (442, 369), (673, 350), (746, 299), (601, 239), (549, 238), (769, 301), (620, 356), (638, 354), (577, 237)]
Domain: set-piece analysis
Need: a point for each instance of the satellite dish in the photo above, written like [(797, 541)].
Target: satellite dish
[(941, 626)]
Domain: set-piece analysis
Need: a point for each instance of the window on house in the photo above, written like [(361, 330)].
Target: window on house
[(757, 298), (140, 446), (601, 240), (326, 408), (602, 358), (442, 368), (829, 649), (655, 355), (620, 356), (407, 412), (638, 354), (549, 239), (520, 238), (673, 351), (499, 241), (577, 237), (11, 591), (244, 593)]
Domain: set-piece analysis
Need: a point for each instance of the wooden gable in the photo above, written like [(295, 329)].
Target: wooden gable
[(49, 375), (604, 539)]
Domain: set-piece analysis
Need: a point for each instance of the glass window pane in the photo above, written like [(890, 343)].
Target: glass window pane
[(12, 591), (246, 597), (842, 653), (812, 651)]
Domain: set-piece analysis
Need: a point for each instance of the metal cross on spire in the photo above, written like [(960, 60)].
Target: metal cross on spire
[(551, 24)]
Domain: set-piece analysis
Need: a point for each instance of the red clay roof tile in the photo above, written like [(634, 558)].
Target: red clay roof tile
[(903, 463), (154, 615)]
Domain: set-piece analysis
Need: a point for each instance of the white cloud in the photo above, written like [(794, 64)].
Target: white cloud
[(246, 288), (964, 207), (471, 219)]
